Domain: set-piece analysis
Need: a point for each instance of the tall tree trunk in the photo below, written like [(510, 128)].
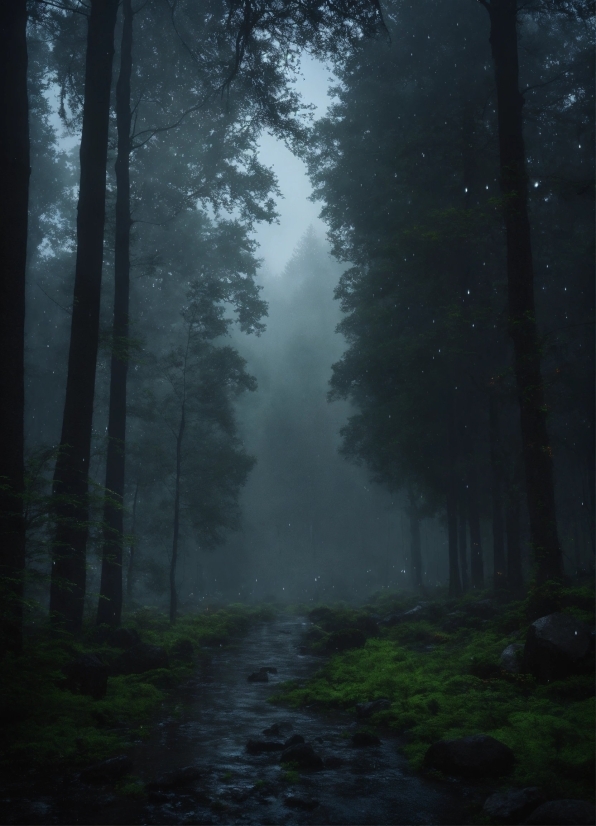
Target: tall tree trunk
[(496, 462), (110, 596), (476, 559), (174, 560), (463, 536), (415, 544), (70, 492), (537, 452), (14, 161), (454, 579), (133, 541), (512, 523)]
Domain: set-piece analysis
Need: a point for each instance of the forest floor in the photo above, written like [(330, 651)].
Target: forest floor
[(437, 668)]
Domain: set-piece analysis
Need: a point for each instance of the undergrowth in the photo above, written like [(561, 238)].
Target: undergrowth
[(440, 670), (44, 725)]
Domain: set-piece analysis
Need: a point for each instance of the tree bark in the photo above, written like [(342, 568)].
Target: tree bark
[(174, 560), (512, 522), (496, 461), (110, 596), (14, 160), (133, 539), (462, 538), (454, 579), (476, 559), (70, 491), (415, 544), (537, 452)]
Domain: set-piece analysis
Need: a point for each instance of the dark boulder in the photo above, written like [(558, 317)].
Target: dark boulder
[(175, 779), (87, 674), (513, 805), (301, 803), (123, 638), (183, 650), (511, 658), (258, 677), (556, 646), (277, 729), (345, 639), (108, 770), (303, 755), (563, 813), (142, 657), (293, 740), (334, 761), (361, 739), (367, 709), (476, 756), (405, 616), (262, 746)]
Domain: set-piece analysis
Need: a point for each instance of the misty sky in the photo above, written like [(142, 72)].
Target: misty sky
[(297, 213)]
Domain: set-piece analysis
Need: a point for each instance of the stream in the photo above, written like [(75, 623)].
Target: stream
[(215, 714)]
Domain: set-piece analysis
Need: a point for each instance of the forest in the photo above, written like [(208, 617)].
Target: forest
[(262, 560)]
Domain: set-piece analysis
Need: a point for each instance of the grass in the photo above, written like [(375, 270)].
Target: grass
[(445, 684), (44, 726)]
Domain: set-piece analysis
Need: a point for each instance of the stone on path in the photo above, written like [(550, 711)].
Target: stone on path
[(277, 729), (563, 813), (361, 739), (512, 805), (303, 755), (511, 658), (476, 756), (294, 740), (262, 746), (107, 770), (175, 779), (555, 646)]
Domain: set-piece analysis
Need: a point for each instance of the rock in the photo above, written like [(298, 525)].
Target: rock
[(404, 616), (293, 740), (477, 756), (183, 650), (142, 657), (303, 755), (277, 729), (87, 674), (563, 813), (555, 646), (260, 746), (345, 639), (123, 638), (258, 677), (372, 707), (107, 770), (301, 803), (511, 658), (175, 779), (334, 761), (513, 805), (268, 669), (360, 739)]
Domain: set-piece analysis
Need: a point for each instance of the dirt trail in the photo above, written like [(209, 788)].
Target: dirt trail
[(218, 712)]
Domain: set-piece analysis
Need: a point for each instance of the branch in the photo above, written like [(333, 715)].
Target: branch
[(66, 309), (62, 7), (546, 82)]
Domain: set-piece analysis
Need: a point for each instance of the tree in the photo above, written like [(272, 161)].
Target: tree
[(72, 465), (14, 154)]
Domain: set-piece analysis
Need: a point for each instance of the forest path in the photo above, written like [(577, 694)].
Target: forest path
[(222, 710)]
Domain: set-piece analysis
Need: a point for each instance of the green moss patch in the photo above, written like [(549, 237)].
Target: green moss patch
[(449, 684)]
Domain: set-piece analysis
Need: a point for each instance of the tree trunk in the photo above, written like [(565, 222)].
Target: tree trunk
[(476, 560), (70, 492), (537, 452), (415, 544), (454, 580), (174, 560), (512, 522), (133, 539), (110, 596), (14, 159), (463, 537), (496, 462)]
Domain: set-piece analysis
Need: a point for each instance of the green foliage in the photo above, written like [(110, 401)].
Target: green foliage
[(455, 687), (43, 724)]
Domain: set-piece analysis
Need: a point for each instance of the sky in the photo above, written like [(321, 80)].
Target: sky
[(297, 213)]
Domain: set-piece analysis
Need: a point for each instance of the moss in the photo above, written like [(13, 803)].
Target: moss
[(42, 725), (456, 688)]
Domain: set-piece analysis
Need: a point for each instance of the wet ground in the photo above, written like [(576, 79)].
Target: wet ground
[(215, 715)]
